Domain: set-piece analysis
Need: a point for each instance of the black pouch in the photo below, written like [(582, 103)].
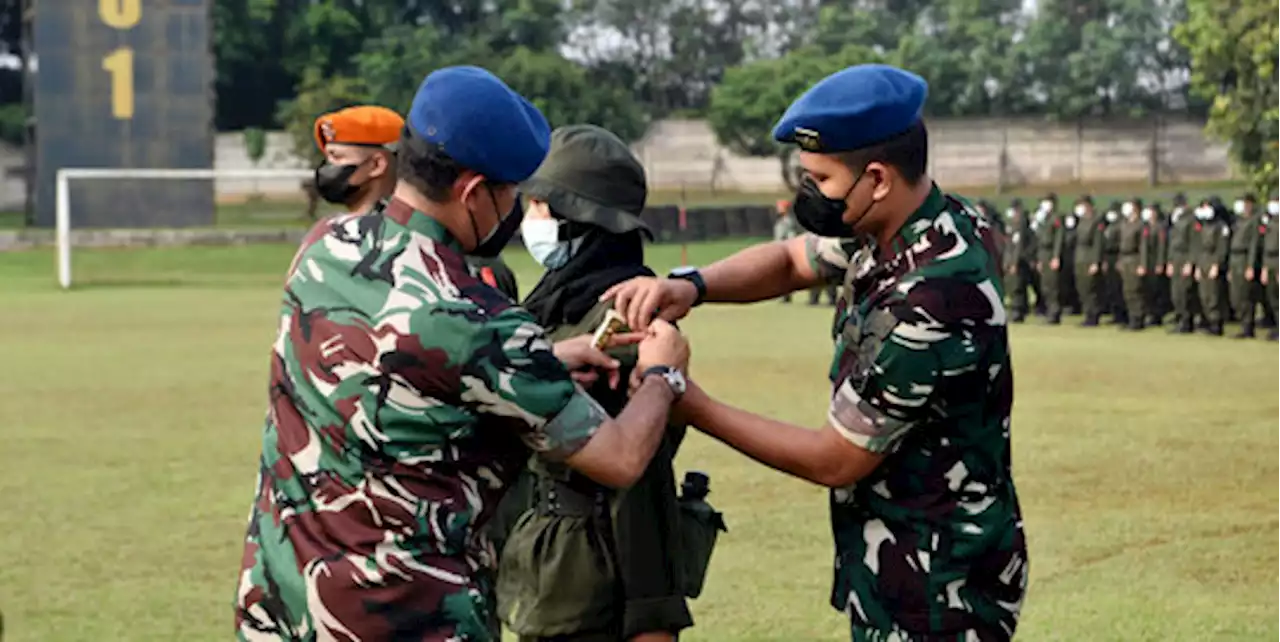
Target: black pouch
[(700, 527)]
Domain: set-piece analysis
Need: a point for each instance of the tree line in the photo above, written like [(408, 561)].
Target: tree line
[(624, 63)]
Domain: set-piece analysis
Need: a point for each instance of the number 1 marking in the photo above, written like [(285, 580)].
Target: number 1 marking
[(119, 64)]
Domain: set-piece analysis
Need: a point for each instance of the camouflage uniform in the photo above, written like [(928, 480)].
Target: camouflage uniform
[(495, 273), (405, 395), (930, 545), (1180, 266), (1212, 241)]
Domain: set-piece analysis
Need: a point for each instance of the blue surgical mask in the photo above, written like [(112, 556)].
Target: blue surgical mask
[(542, 239)]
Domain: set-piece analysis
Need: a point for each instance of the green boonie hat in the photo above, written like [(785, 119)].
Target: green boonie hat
[(590, 176)]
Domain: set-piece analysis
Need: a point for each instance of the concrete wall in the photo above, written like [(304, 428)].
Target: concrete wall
[(962, 153)]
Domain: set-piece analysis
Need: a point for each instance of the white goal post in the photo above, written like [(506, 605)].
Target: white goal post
[(62, 194)]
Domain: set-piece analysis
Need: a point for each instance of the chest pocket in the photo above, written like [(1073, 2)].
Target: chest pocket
[(860, 342)]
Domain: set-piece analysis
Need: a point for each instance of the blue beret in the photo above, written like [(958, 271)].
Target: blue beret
[(853, 108), (480, 122)]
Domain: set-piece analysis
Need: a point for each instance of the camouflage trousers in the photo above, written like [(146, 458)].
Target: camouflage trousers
[(865, 634)]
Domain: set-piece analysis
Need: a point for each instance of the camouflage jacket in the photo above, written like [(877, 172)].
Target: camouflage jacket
[(931, 542), (785, 227), (404, 396)]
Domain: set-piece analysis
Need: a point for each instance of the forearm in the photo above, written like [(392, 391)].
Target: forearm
[(618, 452), (760, 273), (777, 444), (643, 421)]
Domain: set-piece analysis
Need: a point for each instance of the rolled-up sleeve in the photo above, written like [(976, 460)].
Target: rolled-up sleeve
[(829, 257), (512, 374)]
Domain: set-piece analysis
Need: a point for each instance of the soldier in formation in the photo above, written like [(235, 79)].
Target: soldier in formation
[(1203, 265)]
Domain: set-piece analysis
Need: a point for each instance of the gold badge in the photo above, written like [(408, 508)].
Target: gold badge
[(808, 139), (327, 132)]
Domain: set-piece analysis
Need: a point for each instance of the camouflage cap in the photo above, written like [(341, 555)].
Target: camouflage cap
[(590, 176)]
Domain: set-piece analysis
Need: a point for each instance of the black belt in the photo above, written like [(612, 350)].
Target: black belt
[(1239, 252), (557, 497)]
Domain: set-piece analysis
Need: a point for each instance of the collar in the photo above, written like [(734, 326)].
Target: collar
[(914, 227), (420, 222)]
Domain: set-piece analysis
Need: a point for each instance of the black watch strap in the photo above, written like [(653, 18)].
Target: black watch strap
[(693, 276)]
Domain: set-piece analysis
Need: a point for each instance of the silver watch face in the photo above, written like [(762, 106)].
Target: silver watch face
[(683, 270), (676, 380)]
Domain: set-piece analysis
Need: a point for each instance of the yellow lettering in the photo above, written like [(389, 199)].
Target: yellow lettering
[(119, 64), (120, 14)]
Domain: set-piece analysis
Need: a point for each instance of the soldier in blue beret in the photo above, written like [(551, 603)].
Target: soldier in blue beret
[(928, 530), (406, 394)]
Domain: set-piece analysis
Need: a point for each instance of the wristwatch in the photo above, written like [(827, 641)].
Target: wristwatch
[(692, 275), (674, 378)]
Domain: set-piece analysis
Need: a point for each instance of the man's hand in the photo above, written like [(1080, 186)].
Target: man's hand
[(663, 345), (1248, 274), (1093, 269), (640, 299), (1141, 271), (1187, 270), (585, 362), (1213, 272), (1264, 276), (1054, 264), (1168, 268)]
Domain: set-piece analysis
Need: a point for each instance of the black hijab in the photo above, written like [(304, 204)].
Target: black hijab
[(565, 295)]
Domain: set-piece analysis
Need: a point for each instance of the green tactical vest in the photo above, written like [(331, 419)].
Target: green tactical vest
[(580, 554)]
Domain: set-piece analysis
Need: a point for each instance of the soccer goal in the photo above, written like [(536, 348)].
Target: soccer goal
[(80, 189)]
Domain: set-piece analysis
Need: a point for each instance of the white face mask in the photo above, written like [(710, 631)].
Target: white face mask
[(542, 239), (1080, 210), (1273, 207), (1127, 209), (1046, 206), (1238, 207), (1204, 213), (1010, 213), (1112, 217), (1147, 215)]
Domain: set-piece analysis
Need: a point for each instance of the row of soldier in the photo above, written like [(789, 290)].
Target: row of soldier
[(1205, 265)]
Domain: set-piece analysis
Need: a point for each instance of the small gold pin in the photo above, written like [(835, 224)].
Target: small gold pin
[(808, 139)]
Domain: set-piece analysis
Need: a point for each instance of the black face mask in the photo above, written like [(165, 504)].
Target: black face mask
[(493, 244), (820, 214), (333, 182)]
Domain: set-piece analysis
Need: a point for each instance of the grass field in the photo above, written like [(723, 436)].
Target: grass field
[(289, 213), (132, 407)]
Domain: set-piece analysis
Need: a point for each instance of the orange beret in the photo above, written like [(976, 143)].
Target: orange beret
[(360, 125)]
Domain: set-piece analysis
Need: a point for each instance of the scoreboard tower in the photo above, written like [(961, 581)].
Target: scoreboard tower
[(124, 84)]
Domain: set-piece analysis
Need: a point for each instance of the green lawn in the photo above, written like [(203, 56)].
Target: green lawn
[(132, 410)]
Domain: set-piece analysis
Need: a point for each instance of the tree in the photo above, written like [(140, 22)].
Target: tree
[(563, 92), (752, 97), (1233, 47), (317, 94), (962, 48)]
